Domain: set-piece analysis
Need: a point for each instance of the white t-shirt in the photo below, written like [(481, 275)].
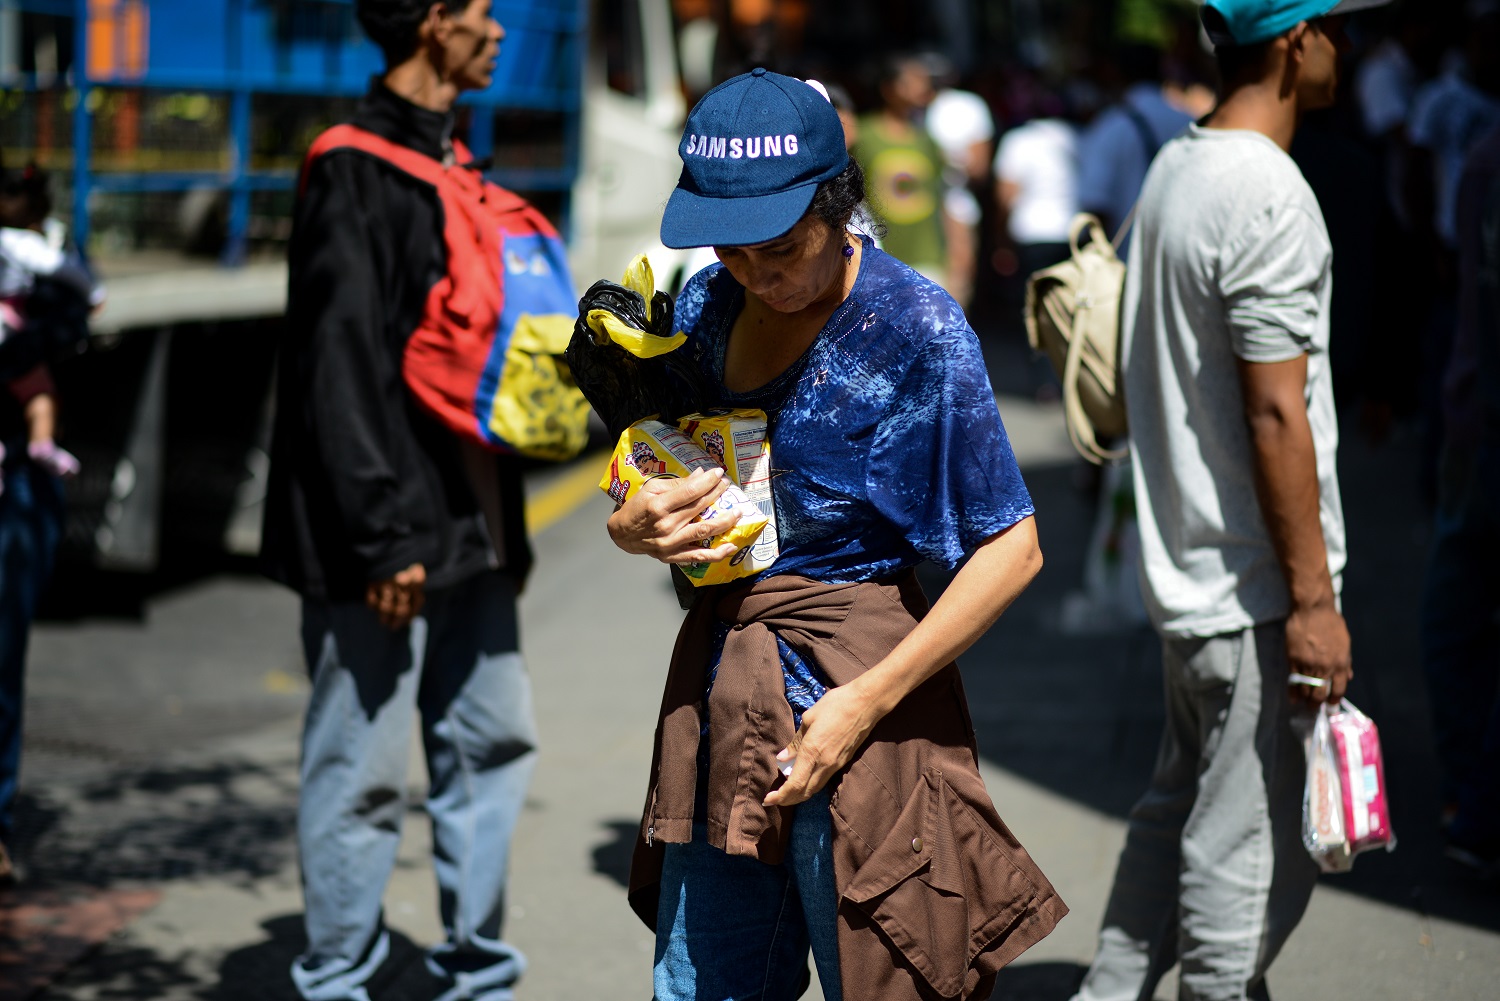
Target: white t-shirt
[(1041, 158), (24, 255), (1230, 258), (956, 120)]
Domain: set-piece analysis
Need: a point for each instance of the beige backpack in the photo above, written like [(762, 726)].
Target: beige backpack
[(1073, 315)]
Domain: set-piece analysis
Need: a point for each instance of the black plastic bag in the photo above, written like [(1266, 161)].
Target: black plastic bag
[(621, 387)]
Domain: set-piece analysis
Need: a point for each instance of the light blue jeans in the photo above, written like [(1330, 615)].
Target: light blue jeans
[(459, 668), (1214, 874), (731, 928)]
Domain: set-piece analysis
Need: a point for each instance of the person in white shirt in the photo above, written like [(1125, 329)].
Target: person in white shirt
[(31, 507), (1036, 171), (1228, 389), (961, 124), (33, 251)]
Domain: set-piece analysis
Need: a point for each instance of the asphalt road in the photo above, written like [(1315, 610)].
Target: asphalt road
[(161, 751)]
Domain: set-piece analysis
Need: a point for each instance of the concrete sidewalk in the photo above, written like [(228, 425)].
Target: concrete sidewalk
[(162, 768)]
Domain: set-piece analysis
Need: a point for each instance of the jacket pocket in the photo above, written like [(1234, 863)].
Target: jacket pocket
[(942, 885)]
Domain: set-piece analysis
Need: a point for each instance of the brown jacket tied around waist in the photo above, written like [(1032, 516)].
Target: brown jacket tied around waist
[(936, 894)]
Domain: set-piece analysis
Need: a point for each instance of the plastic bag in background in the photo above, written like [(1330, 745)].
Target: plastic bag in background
[(623, 353), (1344, 808)]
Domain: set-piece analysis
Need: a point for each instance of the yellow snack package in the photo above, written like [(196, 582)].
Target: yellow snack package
[(738, 441), (732, 440)]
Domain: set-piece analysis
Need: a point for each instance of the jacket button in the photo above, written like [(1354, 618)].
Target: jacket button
[(916, 845)]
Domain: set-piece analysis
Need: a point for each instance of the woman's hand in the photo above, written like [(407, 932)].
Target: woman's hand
[(832, 731), (659, 520)]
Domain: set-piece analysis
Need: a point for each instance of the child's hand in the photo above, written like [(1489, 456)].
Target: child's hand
[(55, 460)]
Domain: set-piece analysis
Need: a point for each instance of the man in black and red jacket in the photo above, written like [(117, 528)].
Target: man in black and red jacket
[(406, 543)]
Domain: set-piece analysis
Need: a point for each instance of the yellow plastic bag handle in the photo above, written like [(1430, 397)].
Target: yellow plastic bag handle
[(637, 342), (638, 278)]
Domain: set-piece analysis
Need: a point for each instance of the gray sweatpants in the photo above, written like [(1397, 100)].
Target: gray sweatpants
[(1214, 874)]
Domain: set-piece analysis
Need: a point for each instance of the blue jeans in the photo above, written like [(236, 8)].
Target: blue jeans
[(1461, 642), (31, 514), (458, 667), (731, 928)]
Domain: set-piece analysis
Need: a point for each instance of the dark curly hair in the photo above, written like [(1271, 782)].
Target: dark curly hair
[(839, 197), (392, 24)]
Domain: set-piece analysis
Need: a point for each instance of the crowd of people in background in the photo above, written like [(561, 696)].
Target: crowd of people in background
[(977, 188), (1302, 201)]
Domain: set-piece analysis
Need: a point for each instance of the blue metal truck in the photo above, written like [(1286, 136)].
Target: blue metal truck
[(175, 130)]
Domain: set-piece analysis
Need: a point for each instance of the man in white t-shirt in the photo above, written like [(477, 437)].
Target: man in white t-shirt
[(1233, 434), (1036, 170)]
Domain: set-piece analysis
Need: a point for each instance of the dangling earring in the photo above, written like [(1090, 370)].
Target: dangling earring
[(848, 252)]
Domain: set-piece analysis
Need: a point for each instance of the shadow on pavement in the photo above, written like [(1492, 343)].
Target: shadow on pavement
[(1038, 981), (259, 972), (229, 820), (1081, 714), (254, 973), (138, 973), (612, 858), (78, 591)]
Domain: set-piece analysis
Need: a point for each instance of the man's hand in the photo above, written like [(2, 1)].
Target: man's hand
[(658, 521), (1317, 645), (398, 600)]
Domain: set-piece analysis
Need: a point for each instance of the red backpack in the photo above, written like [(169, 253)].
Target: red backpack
[(486, 358)]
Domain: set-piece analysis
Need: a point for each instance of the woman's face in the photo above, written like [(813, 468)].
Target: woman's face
[(799, 269)]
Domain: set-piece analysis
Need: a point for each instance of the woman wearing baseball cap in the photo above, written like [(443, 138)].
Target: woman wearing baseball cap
[(815, 780)]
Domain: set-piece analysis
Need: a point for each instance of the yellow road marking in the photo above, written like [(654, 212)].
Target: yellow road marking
[(566, 494), (281, 682)]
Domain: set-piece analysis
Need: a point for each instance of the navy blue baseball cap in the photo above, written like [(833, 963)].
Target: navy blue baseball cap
[(1251, 22), (754, 151)]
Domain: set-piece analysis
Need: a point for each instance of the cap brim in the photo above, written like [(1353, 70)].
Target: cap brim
[(694, 220), (1350, 6)]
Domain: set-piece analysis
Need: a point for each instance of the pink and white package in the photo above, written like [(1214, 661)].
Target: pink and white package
[(1356, 741), (1345, 810)]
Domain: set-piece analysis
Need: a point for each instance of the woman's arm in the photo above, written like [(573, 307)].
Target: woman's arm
[(834, 729)]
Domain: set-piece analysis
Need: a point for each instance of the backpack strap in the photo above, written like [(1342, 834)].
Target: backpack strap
[(1150, 145), (404, 158), (1080, 428)]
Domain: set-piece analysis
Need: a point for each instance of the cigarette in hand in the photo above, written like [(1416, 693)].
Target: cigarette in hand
[(1302, 679)]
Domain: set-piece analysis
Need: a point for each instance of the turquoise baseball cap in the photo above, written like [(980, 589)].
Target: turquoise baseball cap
[(1250, 22)]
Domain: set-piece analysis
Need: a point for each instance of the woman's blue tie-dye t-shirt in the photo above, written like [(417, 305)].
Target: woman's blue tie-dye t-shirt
[(886, 445)]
